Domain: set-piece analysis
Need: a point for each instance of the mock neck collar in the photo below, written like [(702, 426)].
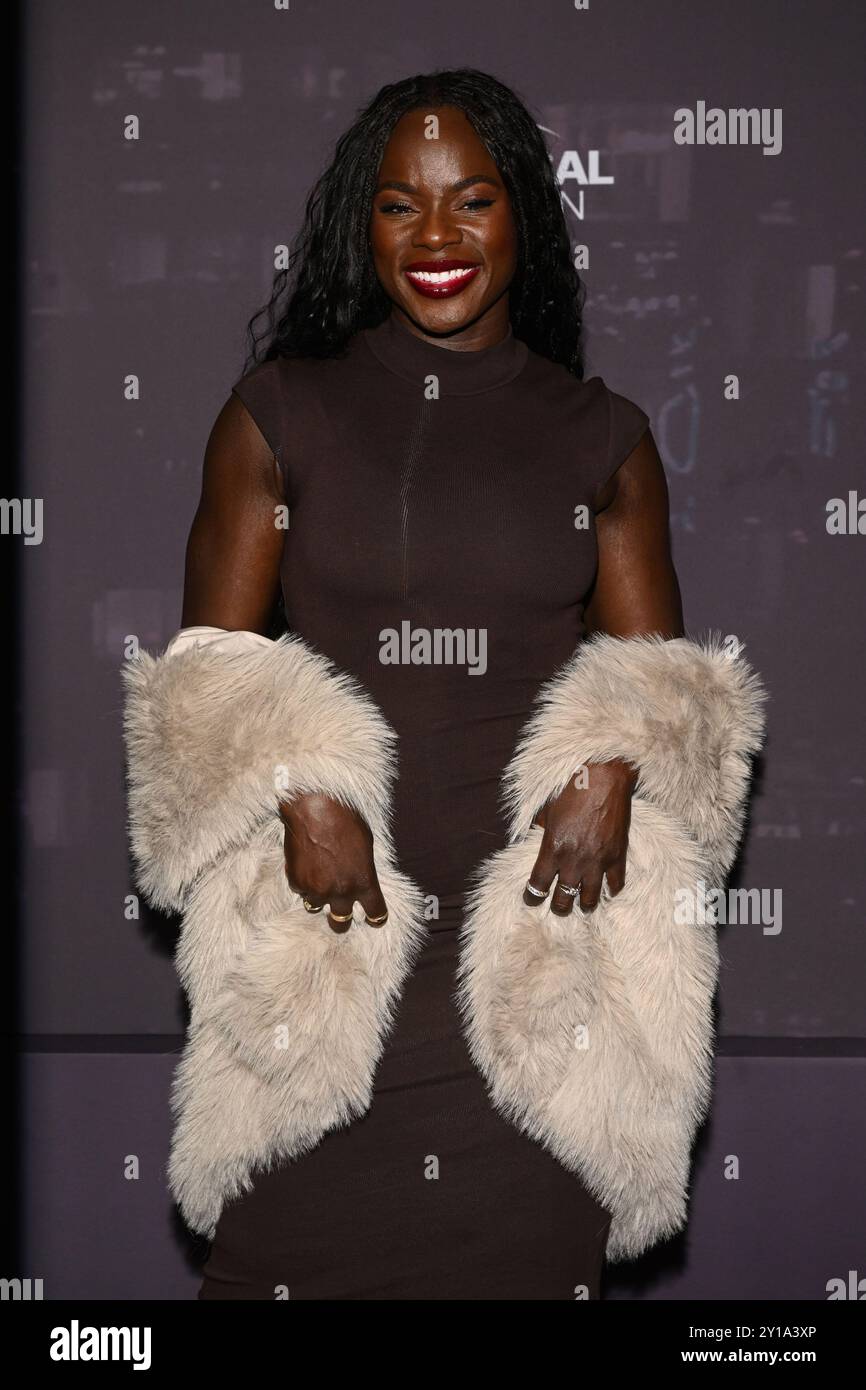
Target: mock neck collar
[(459, 373)]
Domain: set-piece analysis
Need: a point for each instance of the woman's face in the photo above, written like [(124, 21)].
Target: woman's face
[(442, 230)]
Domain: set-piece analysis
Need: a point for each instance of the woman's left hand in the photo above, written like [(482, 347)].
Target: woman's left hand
[(585, 838)]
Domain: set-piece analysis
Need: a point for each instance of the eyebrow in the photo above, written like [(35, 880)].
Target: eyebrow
[(455, 187)]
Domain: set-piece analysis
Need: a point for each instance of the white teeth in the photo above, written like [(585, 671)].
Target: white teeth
[(439, 277)]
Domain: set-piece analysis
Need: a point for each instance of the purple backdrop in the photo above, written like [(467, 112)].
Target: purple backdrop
[(148, 256)]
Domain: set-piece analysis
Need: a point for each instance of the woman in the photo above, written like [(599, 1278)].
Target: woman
[(448, 509)]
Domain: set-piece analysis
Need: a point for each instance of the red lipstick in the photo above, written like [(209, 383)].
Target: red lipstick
[(440, 279)]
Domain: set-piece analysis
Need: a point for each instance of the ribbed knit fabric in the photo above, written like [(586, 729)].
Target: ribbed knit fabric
[(434, 496)]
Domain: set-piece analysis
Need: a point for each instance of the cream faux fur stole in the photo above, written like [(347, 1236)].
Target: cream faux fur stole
[(593, 1033)]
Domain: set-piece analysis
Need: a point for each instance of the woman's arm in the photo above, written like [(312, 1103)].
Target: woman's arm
[(232, 581), (635, 592), (636, 589), (234, 548)]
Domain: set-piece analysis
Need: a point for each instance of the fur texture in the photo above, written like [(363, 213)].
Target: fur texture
[(288, 1019), (593, 1033)]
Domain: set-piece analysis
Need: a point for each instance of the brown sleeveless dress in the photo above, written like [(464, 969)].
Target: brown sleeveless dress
[(432, 505)]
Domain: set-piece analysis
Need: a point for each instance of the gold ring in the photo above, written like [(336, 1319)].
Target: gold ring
[(310, 907), (341, 917), (377, 921)]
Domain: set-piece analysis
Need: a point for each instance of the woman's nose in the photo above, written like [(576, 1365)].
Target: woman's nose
[(436, 229)]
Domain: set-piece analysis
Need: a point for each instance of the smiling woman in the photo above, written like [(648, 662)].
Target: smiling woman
[(456, 157), (444, 210), (430, 955)]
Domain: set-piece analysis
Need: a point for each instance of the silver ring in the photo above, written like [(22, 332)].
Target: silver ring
[(536, 892), (570, 892)]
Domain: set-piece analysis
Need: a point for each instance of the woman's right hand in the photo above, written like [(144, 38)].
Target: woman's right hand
[(329, 857)]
